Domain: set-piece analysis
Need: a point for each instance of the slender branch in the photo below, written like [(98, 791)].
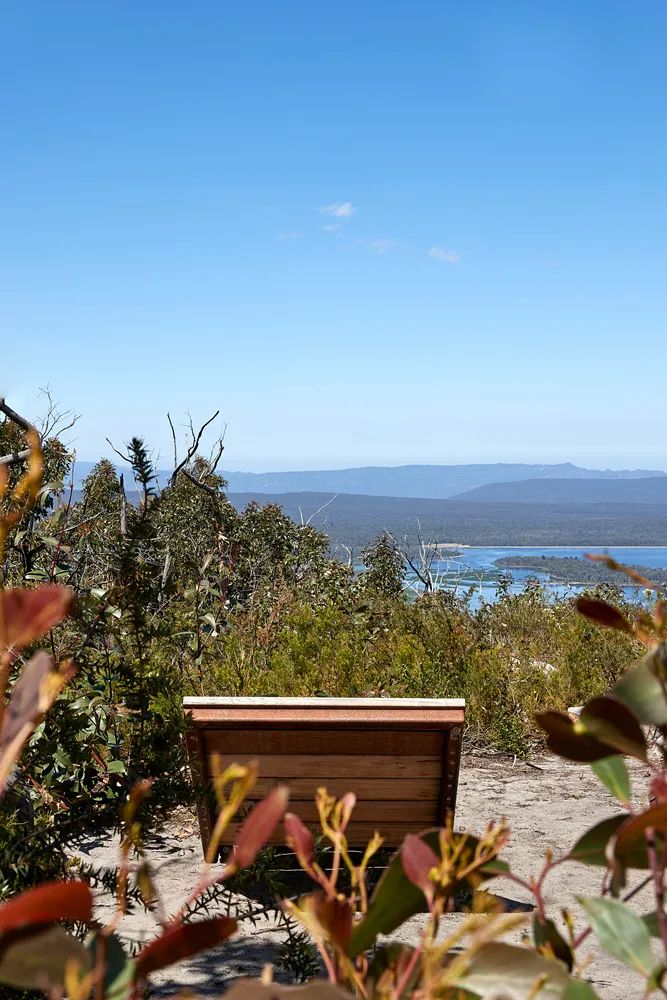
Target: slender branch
[(192, 448), (197, 482), (173, 438), (119, 453), (318, 511), (659, 886)]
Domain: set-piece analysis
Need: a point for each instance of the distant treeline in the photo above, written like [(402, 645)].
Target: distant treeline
[(570, 569), (355, 520)]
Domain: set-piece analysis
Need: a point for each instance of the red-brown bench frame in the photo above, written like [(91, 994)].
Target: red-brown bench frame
[(400, 755)]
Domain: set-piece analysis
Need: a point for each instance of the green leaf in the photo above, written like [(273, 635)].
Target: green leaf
[(651, 922), (36, 574), (620, 932), (118, 966), (591, 847), (579, 989), (37, 960), (510, 971), (116, 767), (613, 774), (640, 689)]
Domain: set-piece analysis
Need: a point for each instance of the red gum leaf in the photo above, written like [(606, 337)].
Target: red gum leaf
[(602, 614), (299, 838), (564, 740), (610, 721), (27, 700), (335, 915), (634, 829), (181, 942), (418, 860), (26, 614), (47, 903), (259, 826)]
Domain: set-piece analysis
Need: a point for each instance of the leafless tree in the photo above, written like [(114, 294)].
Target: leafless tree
[(305, 523), (425, 560), (349, 554), (193, 440), (54, 423)]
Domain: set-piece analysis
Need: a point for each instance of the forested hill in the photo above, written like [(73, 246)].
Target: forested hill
[(430, 481), (650, 490), (573, 570), (355, 520)]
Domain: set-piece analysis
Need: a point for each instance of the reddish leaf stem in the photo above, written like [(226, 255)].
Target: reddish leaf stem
[(659, 886)]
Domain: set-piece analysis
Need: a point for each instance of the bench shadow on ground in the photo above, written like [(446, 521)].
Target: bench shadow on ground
[(210, 973)]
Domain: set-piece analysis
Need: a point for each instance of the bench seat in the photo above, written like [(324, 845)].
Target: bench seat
[(399, 755)]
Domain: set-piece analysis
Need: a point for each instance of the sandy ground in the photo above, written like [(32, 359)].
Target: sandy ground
[(548, 804)]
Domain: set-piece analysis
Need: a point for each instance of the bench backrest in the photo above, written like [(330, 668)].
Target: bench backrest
[(399, 755)]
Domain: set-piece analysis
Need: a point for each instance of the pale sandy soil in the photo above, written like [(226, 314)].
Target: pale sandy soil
[(548, 805)]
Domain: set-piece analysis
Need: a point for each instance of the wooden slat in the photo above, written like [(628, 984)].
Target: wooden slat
[(323, 768), (366, 789), (374, 812), (358, 834), (426, 742), (415, 718)]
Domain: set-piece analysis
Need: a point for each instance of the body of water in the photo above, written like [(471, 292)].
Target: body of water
[(475, 567)]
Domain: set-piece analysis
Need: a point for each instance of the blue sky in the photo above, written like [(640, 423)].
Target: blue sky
[(370, 232)]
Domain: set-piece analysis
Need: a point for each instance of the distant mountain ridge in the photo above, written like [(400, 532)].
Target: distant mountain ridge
[(651, 490), (436, 482)]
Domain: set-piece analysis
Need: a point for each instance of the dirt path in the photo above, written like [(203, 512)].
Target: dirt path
[(548, 805)]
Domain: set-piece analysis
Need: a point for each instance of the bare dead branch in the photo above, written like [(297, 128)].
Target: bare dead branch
[(197, 482), (55, 421), (15, 417), (16, 457), (318, 511), (350, 554), (123, 504), (191, 451), (216, 453), (173, 438), (119, 453)]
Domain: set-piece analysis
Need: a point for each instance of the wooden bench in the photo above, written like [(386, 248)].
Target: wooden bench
[(399, 755)]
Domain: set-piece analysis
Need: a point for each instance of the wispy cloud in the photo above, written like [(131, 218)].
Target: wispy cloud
[(291, 236), (339, 209), (332, 227), (383, 245), (446, 256)]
